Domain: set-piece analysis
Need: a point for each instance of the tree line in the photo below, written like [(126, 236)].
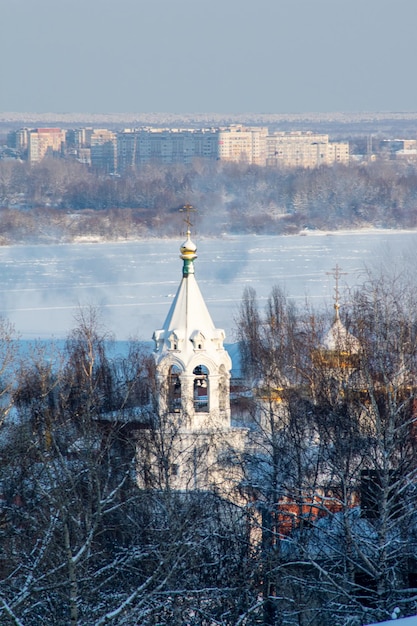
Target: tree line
[(324, 529), (59, 200)]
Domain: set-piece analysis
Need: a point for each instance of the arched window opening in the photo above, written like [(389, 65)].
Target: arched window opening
[(201, 391), (174, 389)]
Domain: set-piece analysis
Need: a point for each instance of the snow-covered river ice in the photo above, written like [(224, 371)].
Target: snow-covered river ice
[(132, 283)]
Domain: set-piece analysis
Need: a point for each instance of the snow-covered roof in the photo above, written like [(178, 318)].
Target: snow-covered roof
[(338, 338), (188, 326), (188, 314)]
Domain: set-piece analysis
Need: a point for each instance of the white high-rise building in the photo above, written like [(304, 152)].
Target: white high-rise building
[(43, 142), (136, 147), (243, 144), (304, 149)]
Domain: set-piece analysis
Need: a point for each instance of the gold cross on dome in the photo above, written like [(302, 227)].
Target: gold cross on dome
[(187, 208), (337, 273)]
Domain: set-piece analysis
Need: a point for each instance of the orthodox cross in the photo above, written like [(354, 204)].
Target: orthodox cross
[(187, 208), (336, 273)]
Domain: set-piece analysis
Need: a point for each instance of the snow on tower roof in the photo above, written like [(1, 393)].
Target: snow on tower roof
[(339, 339), (188, 321)]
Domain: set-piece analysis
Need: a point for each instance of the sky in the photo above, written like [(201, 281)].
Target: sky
[(207, 56)]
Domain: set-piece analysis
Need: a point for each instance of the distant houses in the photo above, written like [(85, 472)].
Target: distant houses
[(116, 152)]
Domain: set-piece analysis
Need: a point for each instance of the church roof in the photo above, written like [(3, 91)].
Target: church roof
[(339, 339), (188, 324), (188, 313)]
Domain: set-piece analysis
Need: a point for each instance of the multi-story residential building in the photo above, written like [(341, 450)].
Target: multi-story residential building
[(79, 137), (103, 144), (135, 147), (235, 143), (44, 142), (338, 152), (405, 149), (244, 144), (126, 149), (304, 149), (18, 139)]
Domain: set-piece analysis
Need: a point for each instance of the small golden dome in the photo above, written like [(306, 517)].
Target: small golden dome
[(188, 248)]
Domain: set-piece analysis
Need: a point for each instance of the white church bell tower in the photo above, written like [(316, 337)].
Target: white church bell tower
[(193, 367)]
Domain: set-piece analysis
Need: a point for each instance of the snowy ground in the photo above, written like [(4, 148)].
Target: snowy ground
[(133, 283)]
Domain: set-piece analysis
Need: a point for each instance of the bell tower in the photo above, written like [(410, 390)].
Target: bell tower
[(193, 367)]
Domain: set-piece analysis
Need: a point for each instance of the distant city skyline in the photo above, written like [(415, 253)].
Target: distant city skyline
[(219, 56)]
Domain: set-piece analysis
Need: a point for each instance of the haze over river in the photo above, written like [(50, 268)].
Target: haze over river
[(132, 283)]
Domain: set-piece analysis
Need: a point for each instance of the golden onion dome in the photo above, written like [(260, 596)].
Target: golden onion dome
[(188, 248)]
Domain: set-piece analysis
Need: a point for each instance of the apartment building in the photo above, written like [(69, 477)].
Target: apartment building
[(234, 143), (103, 146), (18, 139), (304, 149), (79, 137), (338, 152), (136, 147), (44, 142), (404, 149), (243, 144)]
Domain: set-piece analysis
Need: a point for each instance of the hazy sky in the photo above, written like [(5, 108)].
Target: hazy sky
[(217, 56)]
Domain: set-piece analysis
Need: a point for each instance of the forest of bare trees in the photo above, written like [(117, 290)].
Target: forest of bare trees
[(335, 450), (324, 532), (59, 200)]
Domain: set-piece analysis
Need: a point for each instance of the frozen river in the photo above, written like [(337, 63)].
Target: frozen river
[(133, 283)]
